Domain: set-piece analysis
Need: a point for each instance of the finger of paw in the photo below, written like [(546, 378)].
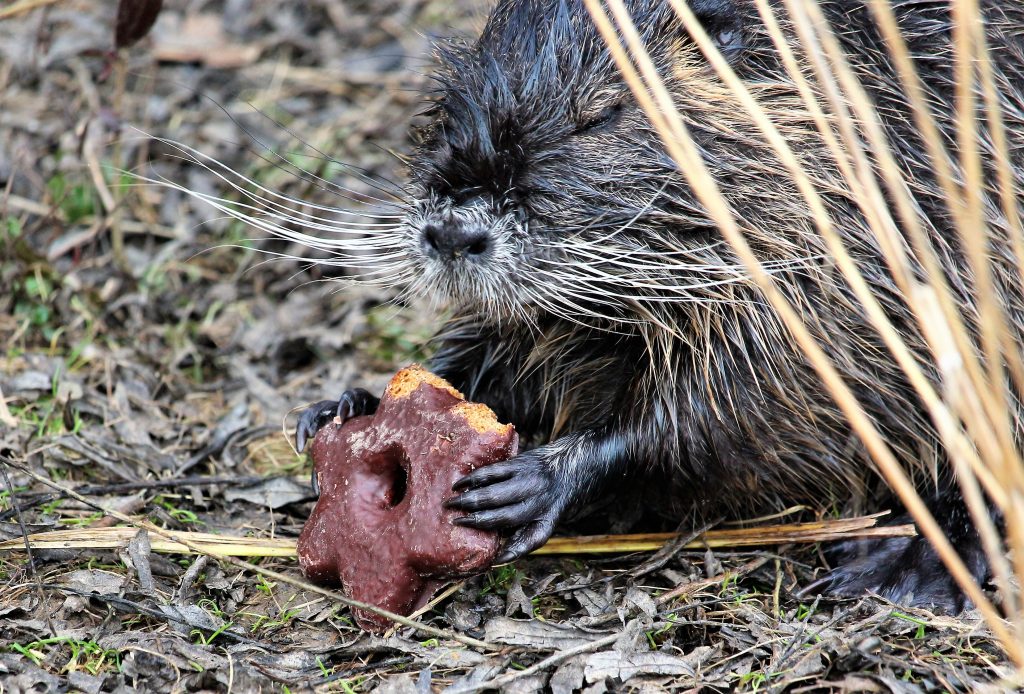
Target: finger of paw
[(526, 540), (492, 474), (498, 518), (355, 402), (506, 493), (310, 421)]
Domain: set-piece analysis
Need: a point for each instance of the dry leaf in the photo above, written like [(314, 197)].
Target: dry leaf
[(200, 38), (134, 20)]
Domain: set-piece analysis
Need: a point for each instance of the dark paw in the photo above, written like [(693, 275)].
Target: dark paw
[(352, 403), (312, 420), (521, 494), (905, 570)]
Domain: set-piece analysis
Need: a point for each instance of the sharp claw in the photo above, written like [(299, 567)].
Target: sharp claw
[(505, 558), (464, 483), (314, 482), (353, 403)]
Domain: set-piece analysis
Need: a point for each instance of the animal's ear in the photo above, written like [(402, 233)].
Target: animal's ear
[(723, 21)]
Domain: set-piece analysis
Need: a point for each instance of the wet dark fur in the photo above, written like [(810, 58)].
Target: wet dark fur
[(535, 134)]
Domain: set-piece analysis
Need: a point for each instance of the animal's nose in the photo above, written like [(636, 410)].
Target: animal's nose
[(453, 240)]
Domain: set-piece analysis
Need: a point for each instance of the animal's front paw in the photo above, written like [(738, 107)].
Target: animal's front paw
[(521, 494), (352, 403), (905, 570)]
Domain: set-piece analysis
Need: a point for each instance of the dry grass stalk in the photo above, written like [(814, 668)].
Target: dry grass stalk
[(972, 414), (177, 542), (944, 329), (173, 542), (23, 6), (824, 531), (981, 400)]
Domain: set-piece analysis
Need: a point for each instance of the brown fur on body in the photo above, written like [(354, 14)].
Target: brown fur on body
[(605, 317)]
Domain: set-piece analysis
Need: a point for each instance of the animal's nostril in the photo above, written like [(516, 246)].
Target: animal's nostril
[(432, 235), (477, 244), (454, 240)]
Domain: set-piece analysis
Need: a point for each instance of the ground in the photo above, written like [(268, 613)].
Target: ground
[(152, 360)]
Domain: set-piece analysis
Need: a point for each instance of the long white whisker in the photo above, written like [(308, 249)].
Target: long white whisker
[(215, 166), (198, 157)]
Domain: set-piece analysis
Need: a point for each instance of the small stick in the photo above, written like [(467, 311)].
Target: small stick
[(28, 545), (555, 659), (24, 6), (178, 542)]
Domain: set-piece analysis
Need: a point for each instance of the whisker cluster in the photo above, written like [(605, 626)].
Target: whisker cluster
[(368, 240)]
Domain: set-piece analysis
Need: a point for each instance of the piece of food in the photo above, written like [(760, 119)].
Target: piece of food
[(380, 526)]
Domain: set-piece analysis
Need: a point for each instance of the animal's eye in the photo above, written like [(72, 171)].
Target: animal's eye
[(602, 119)]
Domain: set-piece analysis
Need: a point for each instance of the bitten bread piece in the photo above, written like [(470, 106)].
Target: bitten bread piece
[(380, 526)]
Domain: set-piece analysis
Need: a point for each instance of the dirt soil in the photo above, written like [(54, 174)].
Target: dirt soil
[(153, 358)]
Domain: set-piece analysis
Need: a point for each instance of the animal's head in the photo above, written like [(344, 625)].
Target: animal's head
[(541, 186)]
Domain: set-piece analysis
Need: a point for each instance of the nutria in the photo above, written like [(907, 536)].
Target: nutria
[(596, 307)]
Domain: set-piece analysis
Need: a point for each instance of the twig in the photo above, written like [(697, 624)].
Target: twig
[(369, 667), (30, 501), (34, 499), (693, 587), (28, 548), (176, 482), (669, 550), (23, 6), (176, 541), (499, 682)]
